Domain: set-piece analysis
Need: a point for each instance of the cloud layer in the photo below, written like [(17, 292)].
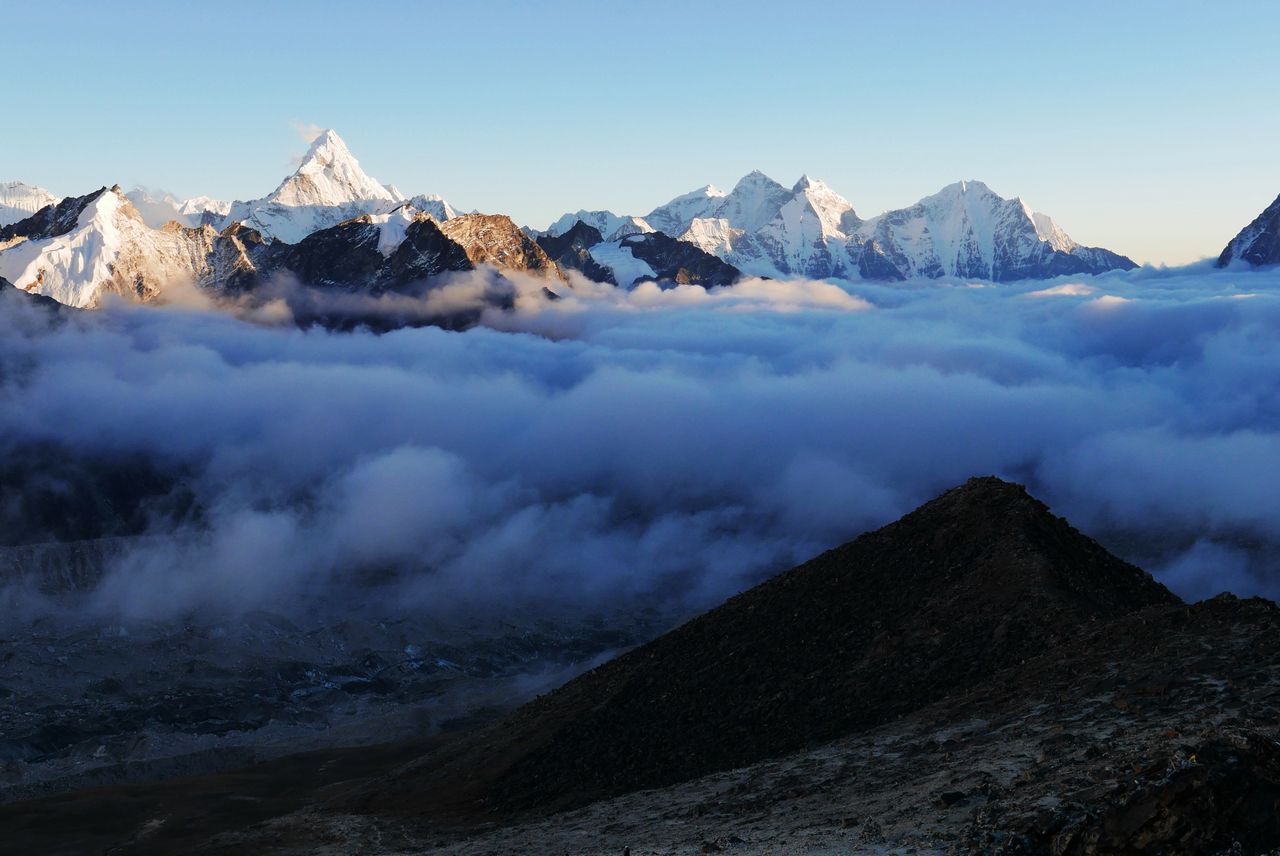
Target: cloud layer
[(667, 444)]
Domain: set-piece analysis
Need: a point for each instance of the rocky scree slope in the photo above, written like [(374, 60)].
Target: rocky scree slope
[(1259, 242), (1151, 734)]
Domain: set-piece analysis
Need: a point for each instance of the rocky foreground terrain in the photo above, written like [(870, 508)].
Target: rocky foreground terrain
[(978, 677)]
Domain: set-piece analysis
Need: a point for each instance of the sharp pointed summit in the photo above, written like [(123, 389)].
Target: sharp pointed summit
[(328, 188)]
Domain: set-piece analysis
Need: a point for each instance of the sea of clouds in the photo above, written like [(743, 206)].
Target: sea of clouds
[(658, 445)]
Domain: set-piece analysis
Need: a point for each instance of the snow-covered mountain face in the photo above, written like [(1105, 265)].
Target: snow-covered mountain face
[(610, 225), (328, 188), (1259, 242), (674, 217), (87, 247), (766, 229), (193, 213), (753, 203), (967, 230), (19, 201)]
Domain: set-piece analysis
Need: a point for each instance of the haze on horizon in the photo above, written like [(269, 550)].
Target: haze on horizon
[(1136, 127)]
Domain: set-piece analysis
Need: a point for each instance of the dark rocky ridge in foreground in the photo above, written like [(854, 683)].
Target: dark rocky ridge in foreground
[(972, 582)]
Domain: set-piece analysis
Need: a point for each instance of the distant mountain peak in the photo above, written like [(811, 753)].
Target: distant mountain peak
[(326, 147), (1259, 242), (19, 201), (328, 188), (335, 177)]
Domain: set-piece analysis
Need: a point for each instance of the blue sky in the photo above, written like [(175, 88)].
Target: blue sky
[(1147, 128)]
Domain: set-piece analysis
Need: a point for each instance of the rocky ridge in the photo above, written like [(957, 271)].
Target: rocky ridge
[(572, 251), (1259, 242), (640, 257)]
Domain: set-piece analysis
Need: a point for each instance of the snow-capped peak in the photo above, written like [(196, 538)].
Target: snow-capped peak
[(675, 216), (435, 206), (330, 175), (328, 188), (19, 201), (193, 213), (610, 225), (754, 201), (71, 266)]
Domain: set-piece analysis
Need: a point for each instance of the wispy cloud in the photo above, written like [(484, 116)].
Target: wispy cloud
[(307, 132)]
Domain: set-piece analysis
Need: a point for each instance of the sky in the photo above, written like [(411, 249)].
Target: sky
[(1146, 128)]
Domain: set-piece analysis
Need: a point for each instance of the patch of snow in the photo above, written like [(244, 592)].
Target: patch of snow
[(626, 267), (392, 228)]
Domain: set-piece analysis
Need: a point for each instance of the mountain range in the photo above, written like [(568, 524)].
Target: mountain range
[(333, 226), (766, 229)]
